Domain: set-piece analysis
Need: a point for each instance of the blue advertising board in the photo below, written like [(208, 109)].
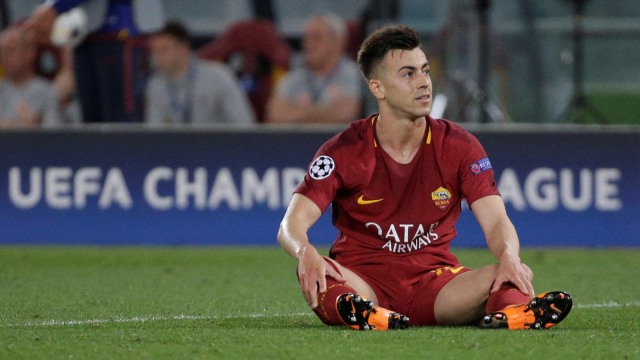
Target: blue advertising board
[(569, 187), (140, 186)]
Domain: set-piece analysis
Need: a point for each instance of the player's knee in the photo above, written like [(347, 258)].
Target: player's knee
[(489, 271)]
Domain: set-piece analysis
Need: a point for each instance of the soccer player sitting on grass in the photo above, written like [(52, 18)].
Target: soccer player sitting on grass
[(395, 181)]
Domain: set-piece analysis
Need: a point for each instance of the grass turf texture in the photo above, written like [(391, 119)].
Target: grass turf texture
[(245, 303)]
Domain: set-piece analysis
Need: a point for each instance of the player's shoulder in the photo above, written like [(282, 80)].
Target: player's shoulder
[(352, 150), (447, 131), (357, 136)]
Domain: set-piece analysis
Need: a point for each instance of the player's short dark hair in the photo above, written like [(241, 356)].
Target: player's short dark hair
[(381, 41), (176, 30)]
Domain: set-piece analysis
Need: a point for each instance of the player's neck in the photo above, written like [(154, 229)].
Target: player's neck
[(400, 138)]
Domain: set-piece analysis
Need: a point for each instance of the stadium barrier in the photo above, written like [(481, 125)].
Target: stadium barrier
[(117, 185)]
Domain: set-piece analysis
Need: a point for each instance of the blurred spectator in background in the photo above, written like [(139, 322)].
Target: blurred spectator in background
[(258, 55), (328, 88), (64, 83), (109, 64), (185, 89), (25, 99)]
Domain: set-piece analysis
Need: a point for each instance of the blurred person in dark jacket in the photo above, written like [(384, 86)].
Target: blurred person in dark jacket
[(109, 63)]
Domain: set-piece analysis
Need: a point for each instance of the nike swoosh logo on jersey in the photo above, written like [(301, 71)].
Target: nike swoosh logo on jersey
[(362, 201)]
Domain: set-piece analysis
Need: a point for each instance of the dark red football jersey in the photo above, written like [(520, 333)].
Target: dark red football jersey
[(392, 213)]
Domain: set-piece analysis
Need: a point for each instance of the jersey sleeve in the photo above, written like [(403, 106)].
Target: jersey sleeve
[(476, 173), (321, 182)]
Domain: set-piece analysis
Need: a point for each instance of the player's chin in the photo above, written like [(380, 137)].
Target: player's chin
[(423, 111)]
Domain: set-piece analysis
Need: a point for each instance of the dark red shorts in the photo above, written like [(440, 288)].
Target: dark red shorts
[(413, 296)]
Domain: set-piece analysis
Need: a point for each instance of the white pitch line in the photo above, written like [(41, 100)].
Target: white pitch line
[(610, 304), (142, 319)]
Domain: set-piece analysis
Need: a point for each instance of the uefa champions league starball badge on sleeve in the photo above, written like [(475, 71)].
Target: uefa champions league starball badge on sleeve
[(70, 28)]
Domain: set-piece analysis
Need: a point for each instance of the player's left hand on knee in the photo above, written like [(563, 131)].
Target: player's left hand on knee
[(516, 272)]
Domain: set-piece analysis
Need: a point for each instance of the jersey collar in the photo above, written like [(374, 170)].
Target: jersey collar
[(374, 119)]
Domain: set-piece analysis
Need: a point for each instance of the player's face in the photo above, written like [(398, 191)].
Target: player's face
[(405, 82)]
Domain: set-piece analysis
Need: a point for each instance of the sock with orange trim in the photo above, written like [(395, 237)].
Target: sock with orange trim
[(507, 295), (327, 310)]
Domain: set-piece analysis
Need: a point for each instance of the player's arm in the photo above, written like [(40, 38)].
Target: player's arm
[(301, 214), (503, 242)]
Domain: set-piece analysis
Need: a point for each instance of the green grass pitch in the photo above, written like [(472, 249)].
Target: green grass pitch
[(244, 303)]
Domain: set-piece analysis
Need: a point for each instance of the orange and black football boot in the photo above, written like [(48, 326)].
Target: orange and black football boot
[(542, 312), (361, 314)]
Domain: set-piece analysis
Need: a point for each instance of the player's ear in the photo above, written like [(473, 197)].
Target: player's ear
[(376, 88)]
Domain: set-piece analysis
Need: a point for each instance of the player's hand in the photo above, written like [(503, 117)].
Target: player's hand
[(511, 269), (312, 272)]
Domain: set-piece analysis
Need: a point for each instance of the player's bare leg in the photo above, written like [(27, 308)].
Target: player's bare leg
[(541, 312), (356, 282), (462, 300)]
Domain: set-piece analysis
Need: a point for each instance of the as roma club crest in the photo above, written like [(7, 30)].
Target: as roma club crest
[(441, 197)]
